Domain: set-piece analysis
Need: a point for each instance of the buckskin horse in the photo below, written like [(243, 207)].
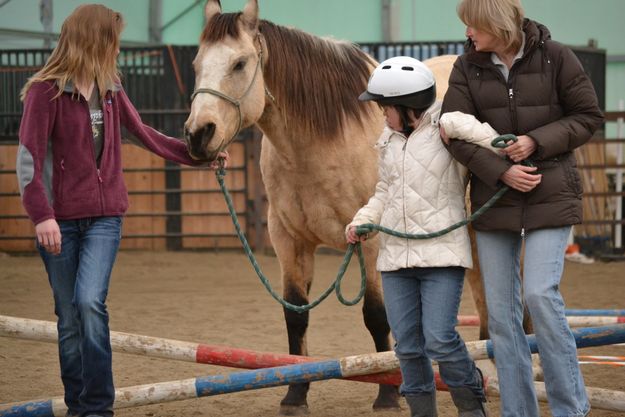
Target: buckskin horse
[(317, 160)]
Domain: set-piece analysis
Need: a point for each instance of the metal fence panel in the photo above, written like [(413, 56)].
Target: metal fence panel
[(159, 81)]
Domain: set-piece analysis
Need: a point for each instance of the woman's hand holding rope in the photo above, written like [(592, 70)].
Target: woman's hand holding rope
[(519, 176)]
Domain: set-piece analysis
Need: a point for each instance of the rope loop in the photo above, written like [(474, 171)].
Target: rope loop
[(504, 140)]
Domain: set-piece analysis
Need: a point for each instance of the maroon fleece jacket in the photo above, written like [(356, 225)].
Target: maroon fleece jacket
[(56, 165)]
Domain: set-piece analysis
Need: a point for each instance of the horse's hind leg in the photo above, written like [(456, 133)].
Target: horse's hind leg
[(375, 320), (296, 262)]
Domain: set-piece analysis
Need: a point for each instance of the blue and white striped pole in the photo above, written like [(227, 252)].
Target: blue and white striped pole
[(192, 388), (283, 375), (579, 312)]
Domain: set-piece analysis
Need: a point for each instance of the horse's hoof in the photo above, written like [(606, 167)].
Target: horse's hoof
[(388, 399), (386, 406), (294, 410)]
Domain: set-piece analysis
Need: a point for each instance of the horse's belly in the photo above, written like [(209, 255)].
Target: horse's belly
[(316, 197), (310, 212)]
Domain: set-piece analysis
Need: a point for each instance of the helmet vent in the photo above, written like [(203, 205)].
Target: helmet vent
[(386, 67), (407, 68)]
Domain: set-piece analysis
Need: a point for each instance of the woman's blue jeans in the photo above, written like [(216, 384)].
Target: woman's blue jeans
[(422, 309), (79, 277), (500, 254)]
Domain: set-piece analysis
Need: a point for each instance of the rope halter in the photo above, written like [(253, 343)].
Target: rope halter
[(236, 102)]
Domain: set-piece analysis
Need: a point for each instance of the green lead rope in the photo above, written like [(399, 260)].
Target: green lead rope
[(499, 142)]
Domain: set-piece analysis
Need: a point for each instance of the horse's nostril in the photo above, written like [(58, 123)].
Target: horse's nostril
[(207, 134)]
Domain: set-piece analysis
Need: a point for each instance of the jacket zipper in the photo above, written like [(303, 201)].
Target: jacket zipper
[(515, 127), (513, 115), (523, 210), (511, 106), (403, 197), (403, 184), (61, 191)]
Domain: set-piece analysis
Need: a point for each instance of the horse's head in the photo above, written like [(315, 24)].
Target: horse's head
[(229, 87)]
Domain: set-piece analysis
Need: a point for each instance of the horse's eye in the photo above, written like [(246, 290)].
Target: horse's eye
[(239, 66)]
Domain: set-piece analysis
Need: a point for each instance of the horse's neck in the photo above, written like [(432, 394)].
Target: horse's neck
[(297, 148), (276, 127)]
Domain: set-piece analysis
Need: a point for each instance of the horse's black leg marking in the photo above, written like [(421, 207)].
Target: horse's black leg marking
[(377, 324), (375, 320), (296, 324)]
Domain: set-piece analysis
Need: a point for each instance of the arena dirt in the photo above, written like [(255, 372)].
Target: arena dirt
[(216, 298)]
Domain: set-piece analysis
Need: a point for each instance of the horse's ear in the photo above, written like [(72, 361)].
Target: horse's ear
[(250, 15), (212, 8)]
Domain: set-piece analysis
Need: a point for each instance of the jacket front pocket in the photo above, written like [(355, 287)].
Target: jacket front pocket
[(573, 179)]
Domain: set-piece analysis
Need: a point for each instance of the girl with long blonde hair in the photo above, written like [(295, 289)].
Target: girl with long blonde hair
[(70, 175)]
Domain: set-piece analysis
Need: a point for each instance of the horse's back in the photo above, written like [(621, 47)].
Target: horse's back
[(441, 66)]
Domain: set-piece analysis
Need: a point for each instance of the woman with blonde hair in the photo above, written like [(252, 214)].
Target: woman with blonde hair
[(70, 175), (515, 78)]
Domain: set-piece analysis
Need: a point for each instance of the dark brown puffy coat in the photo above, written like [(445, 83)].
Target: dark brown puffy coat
[(547, 97)]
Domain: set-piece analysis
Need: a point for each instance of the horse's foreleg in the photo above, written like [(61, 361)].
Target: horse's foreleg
[(296, 262), (374, 316), (294, 402)]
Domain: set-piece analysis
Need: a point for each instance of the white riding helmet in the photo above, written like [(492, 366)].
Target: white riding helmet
[(401, 80)]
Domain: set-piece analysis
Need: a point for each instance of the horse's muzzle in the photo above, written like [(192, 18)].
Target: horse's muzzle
[(199, 142)]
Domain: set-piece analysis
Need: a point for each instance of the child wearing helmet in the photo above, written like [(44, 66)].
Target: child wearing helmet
[(420, 190)]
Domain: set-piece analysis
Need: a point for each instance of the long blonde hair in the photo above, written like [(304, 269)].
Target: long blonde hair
[(87, 49), (501, 18)]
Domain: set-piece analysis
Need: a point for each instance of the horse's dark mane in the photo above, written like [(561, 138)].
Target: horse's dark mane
[(315, 81)]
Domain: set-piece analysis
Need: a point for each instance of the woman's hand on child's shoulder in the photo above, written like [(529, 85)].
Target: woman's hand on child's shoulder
[(444, 136)]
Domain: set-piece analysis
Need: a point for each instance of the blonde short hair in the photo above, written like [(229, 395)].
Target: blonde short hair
[(501, 18)]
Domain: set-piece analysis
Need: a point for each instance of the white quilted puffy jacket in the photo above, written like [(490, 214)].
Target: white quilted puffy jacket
[(420, 189)]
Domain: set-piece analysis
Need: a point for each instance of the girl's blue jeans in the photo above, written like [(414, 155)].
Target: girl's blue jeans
[(79, 277), (422, 309), (543, 264)]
